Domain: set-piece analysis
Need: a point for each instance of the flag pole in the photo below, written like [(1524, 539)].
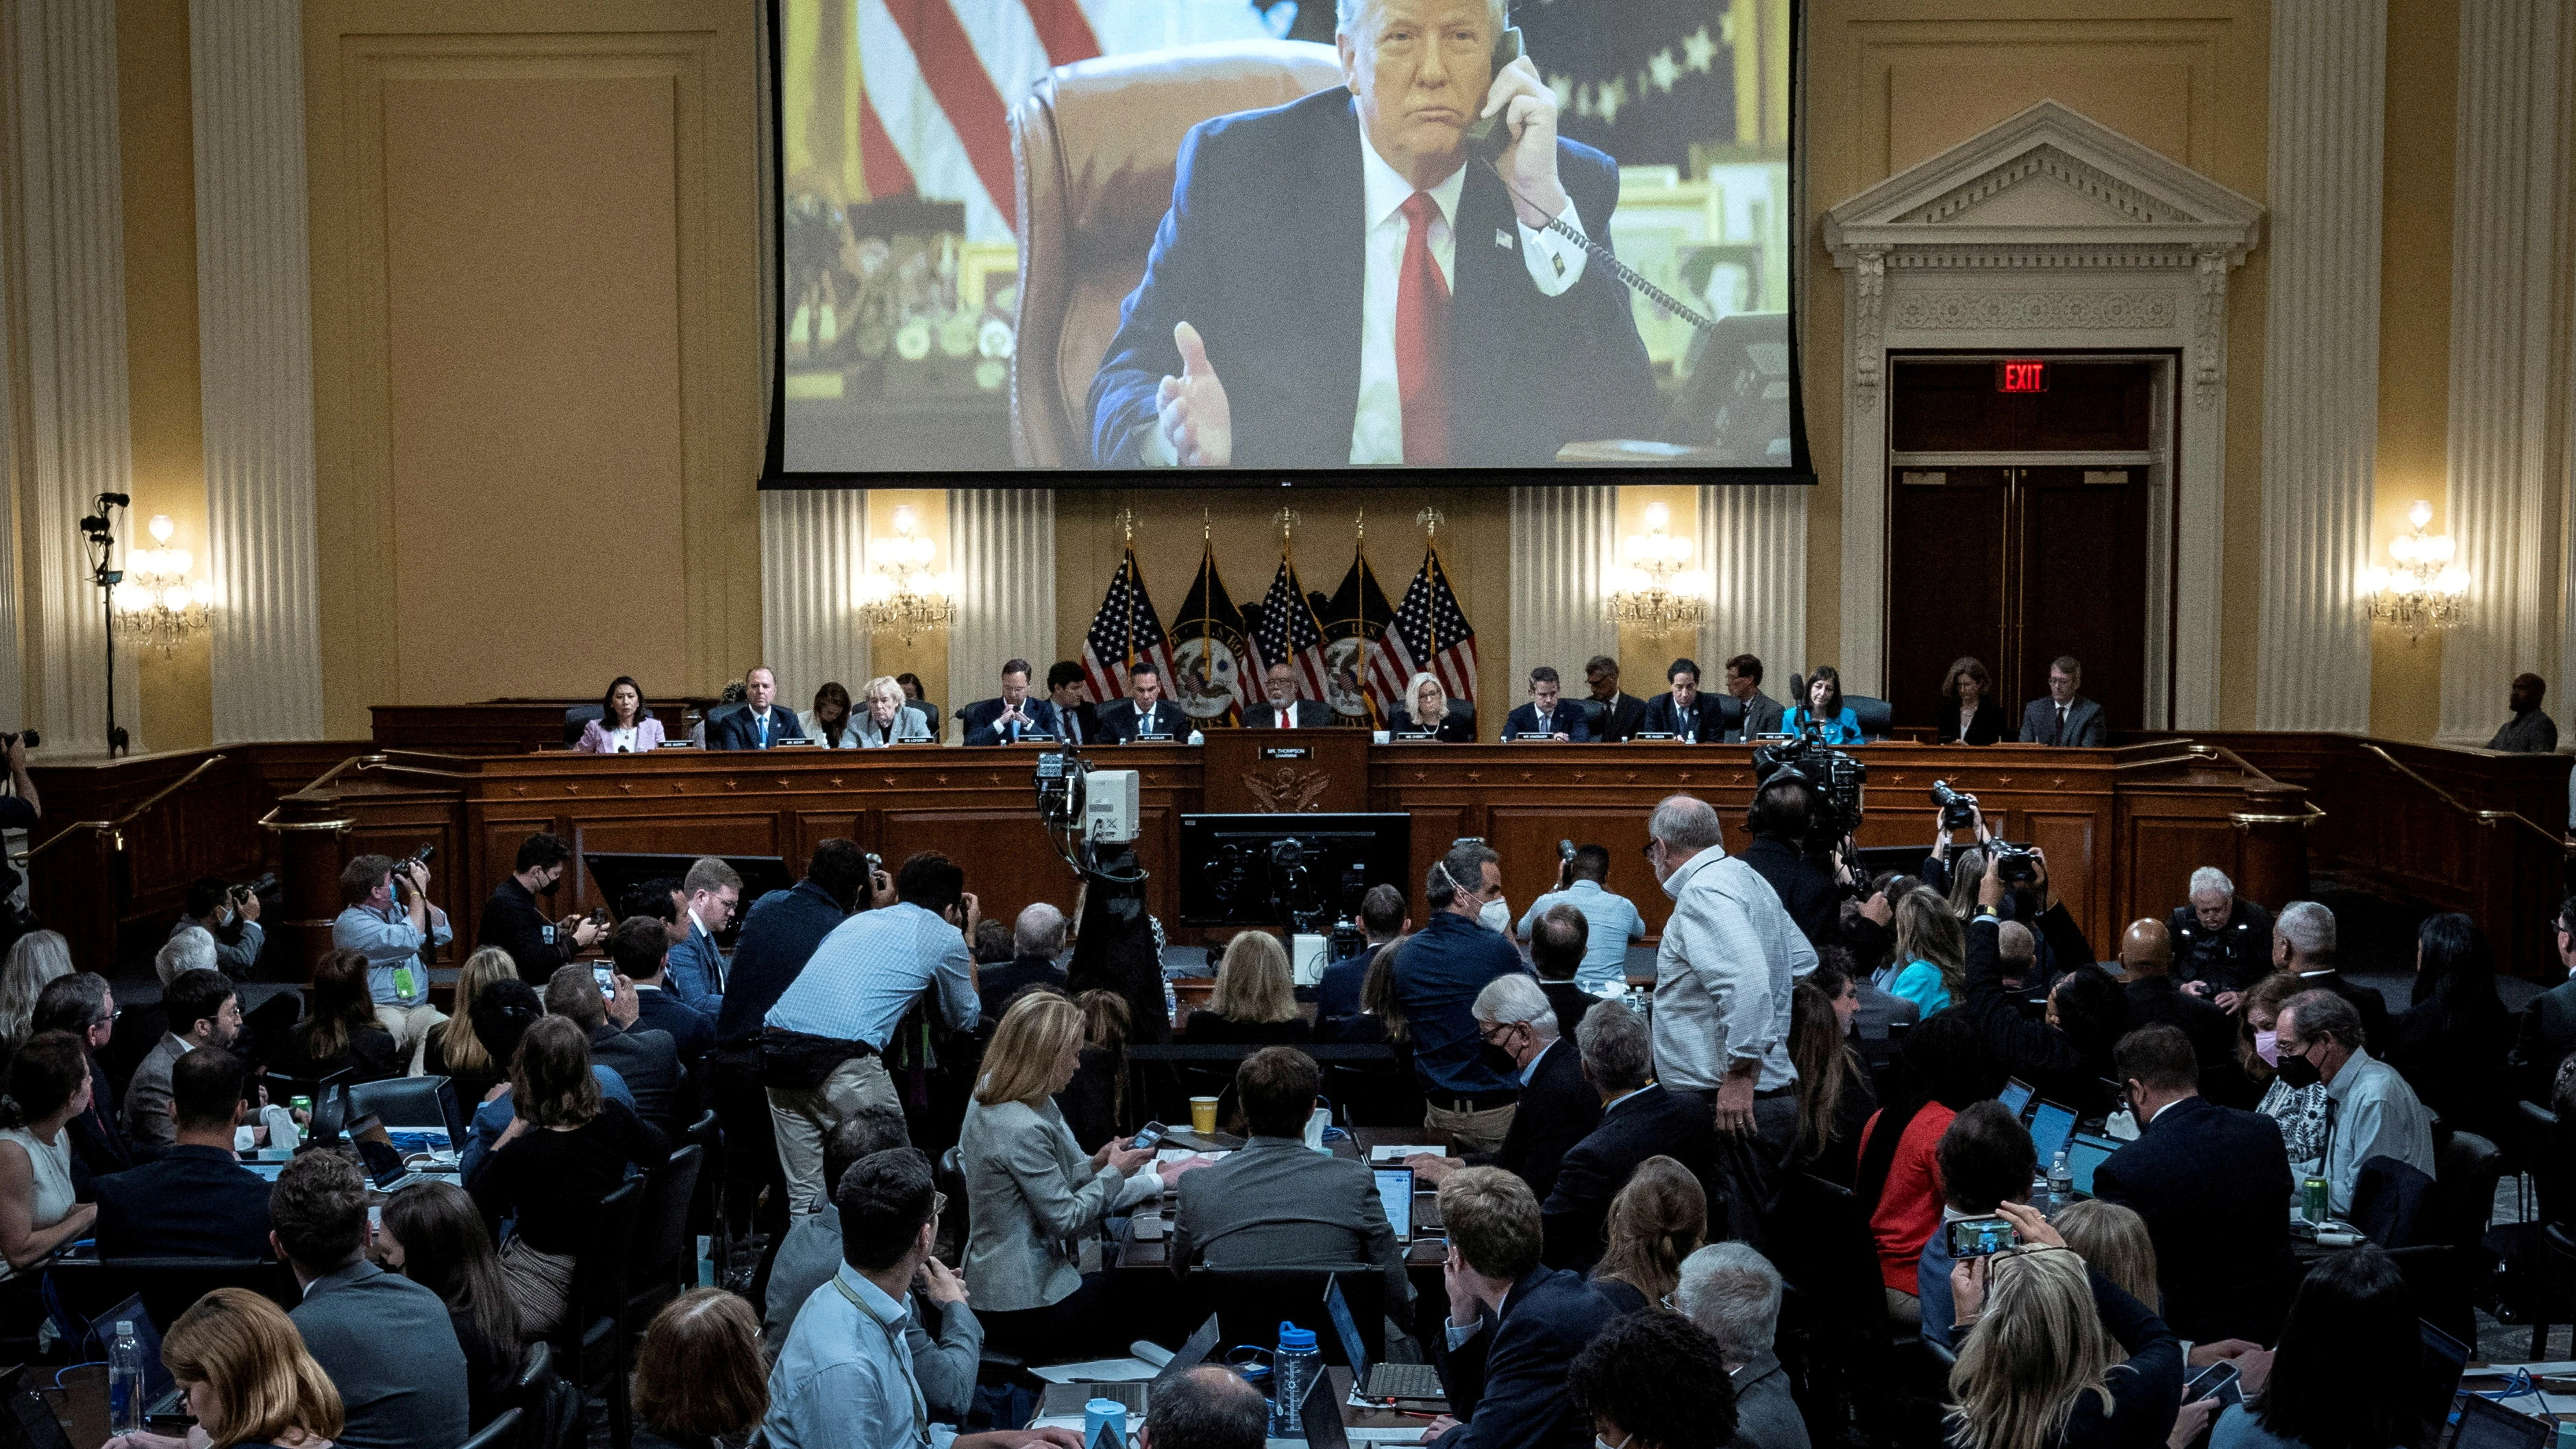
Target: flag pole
[(1430, 518), (1127, 566)]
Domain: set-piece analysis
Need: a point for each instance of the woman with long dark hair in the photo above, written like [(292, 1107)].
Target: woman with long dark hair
[(828, 723), (1973, 717), (1834, 1097), (1947, 1070), (1836, 722), (625, 726), (2350, 1336), (434, 1235), (339, 1031), (2450, 1045), (48, 1087), (1658, 1219)]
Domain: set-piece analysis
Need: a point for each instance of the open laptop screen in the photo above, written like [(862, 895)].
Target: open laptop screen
[(1395, 1194), (2050, 1126), (2016, 1096)]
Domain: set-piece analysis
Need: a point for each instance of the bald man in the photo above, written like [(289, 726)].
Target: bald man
[(2146, 958)]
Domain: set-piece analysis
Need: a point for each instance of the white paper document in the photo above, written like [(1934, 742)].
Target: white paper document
[(1147, 1360)]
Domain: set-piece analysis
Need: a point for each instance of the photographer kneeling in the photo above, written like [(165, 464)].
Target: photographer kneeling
[(1780, 818), (230, 914)]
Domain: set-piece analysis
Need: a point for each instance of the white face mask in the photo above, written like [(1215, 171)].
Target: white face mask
[(1600, 1443), (1496, 916)]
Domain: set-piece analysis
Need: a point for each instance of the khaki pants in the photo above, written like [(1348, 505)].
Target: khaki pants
[(804, 1117), (410, 1026), (1468, 1133)]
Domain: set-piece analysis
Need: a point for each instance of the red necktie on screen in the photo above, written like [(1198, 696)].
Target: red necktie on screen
[(1421, 338)]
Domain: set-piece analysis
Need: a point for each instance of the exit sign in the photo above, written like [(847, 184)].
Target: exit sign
[(2021, 376)]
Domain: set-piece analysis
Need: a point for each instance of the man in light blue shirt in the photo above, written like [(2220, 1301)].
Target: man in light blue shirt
[(2370, 1110), (822, 1045), (1613, 920), (387, 918)]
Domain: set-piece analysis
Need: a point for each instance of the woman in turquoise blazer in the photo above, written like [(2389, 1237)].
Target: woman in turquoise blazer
[(1833, 719)]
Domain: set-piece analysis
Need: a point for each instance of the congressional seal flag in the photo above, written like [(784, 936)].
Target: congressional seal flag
[(1354, 619), (1211, 651), (1124, 632)]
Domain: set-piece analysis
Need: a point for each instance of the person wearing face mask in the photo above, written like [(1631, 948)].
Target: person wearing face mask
[(2300, 1112), (1467, 1099), (513, 922), (2370, 1111)]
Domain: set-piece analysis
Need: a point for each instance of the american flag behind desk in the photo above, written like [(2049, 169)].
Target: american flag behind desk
[(1430, 632), (1289, 633), (1125, 631)]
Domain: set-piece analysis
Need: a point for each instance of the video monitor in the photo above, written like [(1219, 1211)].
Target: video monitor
[(1281, 870)]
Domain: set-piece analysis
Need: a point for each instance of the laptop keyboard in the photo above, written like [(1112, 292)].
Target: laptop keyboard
[(1404, 1381)]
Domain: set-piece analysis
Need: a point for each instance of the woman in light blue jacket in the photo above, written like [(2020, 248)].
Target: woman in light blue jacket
[(1833, 719)]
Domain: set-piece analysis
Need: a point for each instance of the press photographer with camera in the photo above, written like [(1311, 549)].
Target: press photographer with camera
[(387, 917), (512, 921), (230, 914), (2066, 1055), (1782, 819), (2024, 870), (21, 808)]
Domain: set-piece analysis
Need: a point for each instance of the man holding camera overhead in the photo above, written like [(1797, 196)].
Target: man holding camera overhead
[(20, 809), (230, 914)]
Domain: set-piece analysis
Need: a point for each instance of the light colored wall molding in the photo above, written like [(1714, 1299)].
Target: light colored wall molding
[(2321, 361), (1003, 543), (813, 546), (1563, 547), (1753, 542), (2510, 259), (255, 334)]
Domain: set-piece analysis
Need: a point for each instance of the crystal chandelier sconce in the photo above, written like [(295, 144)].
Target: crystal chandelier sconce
[(157, 604), (902, 593), (2425, 591), (1651, 589)]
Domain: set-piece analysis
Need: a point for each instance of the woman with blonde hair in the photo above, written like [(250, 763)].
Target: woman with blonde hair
[(700, 1376), (247, 1376), (1658, 1219), (887, 719), (1032, 1193), (454, 1051), (1254, 1001), (1933, 944), (2113, 1242), (1429, 710), (2038, 1370), (36, 960)]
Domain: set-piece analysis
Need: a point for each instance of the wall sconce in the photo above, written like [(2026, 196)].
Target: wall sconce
[(157, 604), (903, 594), (2425, 590), (1651, 589)]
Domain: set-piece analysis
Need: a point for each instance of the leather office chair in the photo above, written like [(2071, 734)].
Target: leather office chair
[(1094, 147), (576, 717), (1876, 716)]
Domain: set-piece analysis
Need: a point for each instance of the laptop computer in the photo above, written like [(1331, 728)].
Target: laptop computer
[(2016, 1096), (1063, 1401), (1395, 1194), (1414, 1386), (1319, 1418), (30, 1420), (2444, 1359), (2486, 1424), (2085, 1152), (2050, 1126)]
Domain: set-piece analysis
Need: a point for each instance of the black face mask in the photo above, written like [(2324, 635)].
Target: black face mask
[(553, 883), (1498, 1060), (2299, 1072)]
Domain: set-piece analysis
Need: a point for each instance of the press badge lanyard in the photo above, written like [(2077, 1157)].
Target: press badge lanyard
[(920, 1406)]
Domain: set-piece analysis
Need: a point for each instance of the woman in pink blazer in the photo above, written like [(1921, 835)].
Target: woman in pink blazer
[(624, 726)]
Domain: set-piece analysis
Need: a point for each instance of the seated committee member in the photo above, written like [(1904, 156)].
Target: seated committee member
[(1973, 717), (828, 723), (1272, 1203), (1683, 713), (197, 1201), (1066, 690), (624, 726), (1836, 722), (1755, 713), (2064, 717), (1545, 715), (386, 1342), (1433, 713), (760, 723), (887, 720), (386, 916), (1484, 339), (1608, 712), (1144, 713), (1279, 708), (1514, 1324), (513, 922), (1006, 719)]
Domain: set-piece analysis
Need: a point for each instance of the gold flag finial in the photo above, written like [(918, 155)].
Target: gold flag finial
[(1127, 525), (1286, 518), (1431, 519)]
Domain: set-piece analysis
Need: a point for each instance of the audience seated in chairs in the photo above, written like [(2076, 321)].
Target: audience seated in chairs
[(190, 948), (2370, 1111), (1253, 1002), (2041, 1367), (1515, 1326), (2303, 941), (2222, 941), (1733, 1292), (2155, 999), (249, 1377), (567, 1146), (1558, 1106), (1210, 1407), (433, 1234), (1947, 1071), (2351, 1336), (1835, 1100), (1983, 1160), (339, 1032), (645, 1060), (386, 1342), (502, 1016), (641, 949), (454, 1051), (48, 1087), (700, 1379), (2451, 1041), (196, 1200), (36, 960), (1639, 1119), (2114, 1242), (709, 895), (828, 723), (201, 1009), (625, 725), (1657, 1220), (1275, 1204), (1029, 952), (82, 1005), (1655, 1381)]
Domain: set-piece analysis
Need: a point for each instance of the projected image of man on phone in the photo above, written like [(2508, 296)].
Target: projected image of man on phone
[(1342, 280)]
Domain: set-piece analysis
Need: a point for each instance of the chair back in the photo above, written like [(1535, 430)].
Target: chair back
[(2393, 1204), (662, 1237), (412, 1102), (1095, 147), (1876, 716), (599, 1274), (552, 1408), (576, 717), (2467, 1169), (501, 1433), (167, 1285), (1251, 1303)]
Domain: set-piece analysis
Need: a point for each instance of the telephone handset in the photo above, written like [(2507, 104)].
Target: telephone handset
[(1489, 135)]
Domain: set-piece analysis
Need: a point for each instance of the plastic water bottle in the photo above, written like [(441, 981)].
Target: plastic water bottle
[(1197, 738), (2061, 1187), (125, 1381), (1171, 1003), (1293, 1366)]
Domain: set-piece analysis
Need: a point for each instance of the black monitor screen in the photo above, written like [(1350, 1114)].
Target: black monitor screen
[(1301, 870)]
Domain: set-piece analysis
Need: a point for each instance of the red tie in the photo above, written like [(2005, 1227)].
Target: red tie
[(1421, 337)]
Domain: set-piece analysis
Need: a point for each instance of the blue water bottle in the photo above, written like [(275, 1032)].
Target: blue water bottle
[(1293, 1368)]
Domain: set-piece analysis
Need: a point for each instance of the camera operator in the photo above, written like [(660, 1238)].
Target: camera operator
[(1781, 818), (512, 921), (21, 809), (230, 914)]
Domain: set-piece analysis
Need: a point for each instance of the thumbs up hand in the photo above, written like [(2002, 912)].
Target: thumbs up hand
[(1191, 410)]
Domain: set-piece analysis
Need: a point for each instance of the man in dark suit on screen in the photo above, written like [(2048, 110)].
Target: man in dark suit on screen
[(1458, 332)]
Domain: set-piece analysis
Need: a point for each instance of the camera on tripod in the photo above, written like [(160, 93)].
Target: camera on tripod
[(1834, 780)]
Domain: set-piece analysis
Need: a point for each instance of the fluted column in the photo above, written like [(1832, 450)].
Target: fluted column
[(1562, 543), (813, 545), (2321, 361), (65, 253), (255, 336), (1003, 544), (2510, 256), (1753, 542)]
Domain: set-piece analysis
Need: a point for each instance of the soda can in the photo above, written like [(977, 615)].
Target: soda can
[(1104, 1424), (301, 1104), (2312, 1200)]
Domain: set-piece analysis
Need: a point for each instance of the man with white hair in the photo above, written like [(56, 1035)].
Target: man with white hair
[(1558, 1108), (1037, 939), (2303, 940), (2222, 943), (190, 948), (1723, 975), (1734, 1293)]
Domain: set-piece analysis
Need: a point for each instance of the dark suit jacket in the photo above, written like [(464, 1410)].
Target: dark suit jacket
[(1984, 728), (2231, 958), (1279, 195), (1650, 1123), (2366, 1000), (996, 985), (1615, 718), (1704, 721), (513, 921), (98, 1142), (1807, 891), (1759, 715), (196, 1202), (1766, 1415), (2085, 728), (2160, 1001), (979, 718), (1274, 1204), (779, 934), (1120, 722), (1570, 1002), (2213, 1184), (2034, 1051), (2549, 1028), (693, 1033), (1457, 727), (1557, 1110), (387, 1345), (1307, 714), (1507, 1383), (651, 1066), (734, 731), (1568, 720)]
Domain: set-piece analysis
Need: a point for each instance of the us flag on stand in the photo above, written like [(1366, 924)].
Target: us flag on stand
[(1125, 631), (1289, 633), (1431, 633)]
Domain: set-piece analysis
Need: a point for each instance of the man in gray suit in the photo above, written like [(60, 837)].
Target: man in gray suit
[(1275, 1204), (386, 1342), (2065, 717), (1734, 1293), (1756, 713), (202, 1010), (1279, 691), (648, 1060)]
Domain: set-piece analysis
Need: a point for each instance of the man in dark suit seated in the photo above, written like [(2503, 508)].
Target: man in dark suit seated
[(2146, 957), (198, 1201), (1684, 713), (1639, 1119), (1558, 1107), (385, 1342), (2213, 1184), (1546, 715), (1037, 939), (1012, 715), (2065, 717), (1731, 1290), (1514, 1325), (1457, 332), (642, 950), (1074, 712), (1610, 714), (1144, 711), (646, 1059), (1279, 708), (1558, 941), (1755, 713), (2222, 942), (1337, 996), (2303, 940), (1274, 1204), (760, 723)]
